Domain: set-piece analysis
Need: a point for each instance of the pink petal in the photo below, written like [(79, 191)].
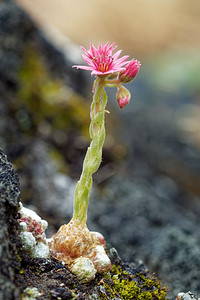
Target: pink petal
[(88, 60), (93, 50), (100, 48), (117, 54), (121, 60), (84, 50)]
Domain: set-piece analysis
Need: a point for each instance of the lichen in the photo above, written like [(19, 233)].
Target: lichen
[(140, 286)]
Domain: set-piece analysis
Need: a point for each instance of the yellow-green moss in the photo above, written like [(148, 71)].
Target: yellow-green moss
[(18, 257), (56, 156), (49, 99), (141, 286), (46, 107)]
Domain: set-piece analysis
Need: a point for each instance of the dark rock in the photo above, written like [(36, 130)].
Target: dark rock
[(50, 277), (144, 224), (18, 35), (114, 256), (56, 281), (141, 212), (15, 28), (9, 199), (62, 293)]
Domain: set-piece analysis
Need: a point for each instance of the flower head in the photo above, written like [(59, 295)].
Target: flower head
[(130, 71), (102, 61)]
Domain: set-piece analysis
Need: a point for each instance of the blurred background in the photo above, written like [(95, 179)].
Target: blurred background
[(146, 196), (163, 35), (142, 28)]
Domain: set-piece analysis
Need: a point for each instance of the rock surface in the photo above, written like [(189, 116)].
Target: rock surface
[(143, 224), (21, 275), (148, 211), (9, 198), (21, 45), (20, 38)]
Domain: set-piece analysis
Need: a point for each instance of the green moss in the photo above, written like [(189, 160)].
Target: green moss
[(46, 100), (46, 107), (140, 286), (58, 158), (18, 256)]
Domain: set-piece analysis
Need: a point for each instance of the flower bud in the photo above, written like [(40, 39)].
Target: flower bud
[(130, 71), (123, 96)]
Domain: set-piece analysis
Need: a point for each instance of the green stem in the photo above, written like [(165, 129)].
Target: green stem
[(93, 156)]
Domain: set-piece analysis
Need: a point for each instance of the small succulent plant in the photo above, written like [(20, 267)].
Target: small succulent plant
[(32, 232), (82, 250)]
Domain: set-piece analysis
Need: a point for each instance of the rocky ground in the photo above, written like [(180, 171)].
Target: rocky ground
[(23, 277)]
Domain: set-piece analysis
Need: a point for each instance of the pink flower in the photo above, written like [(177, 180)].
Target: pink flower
[(102, 61), (130, 71)]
